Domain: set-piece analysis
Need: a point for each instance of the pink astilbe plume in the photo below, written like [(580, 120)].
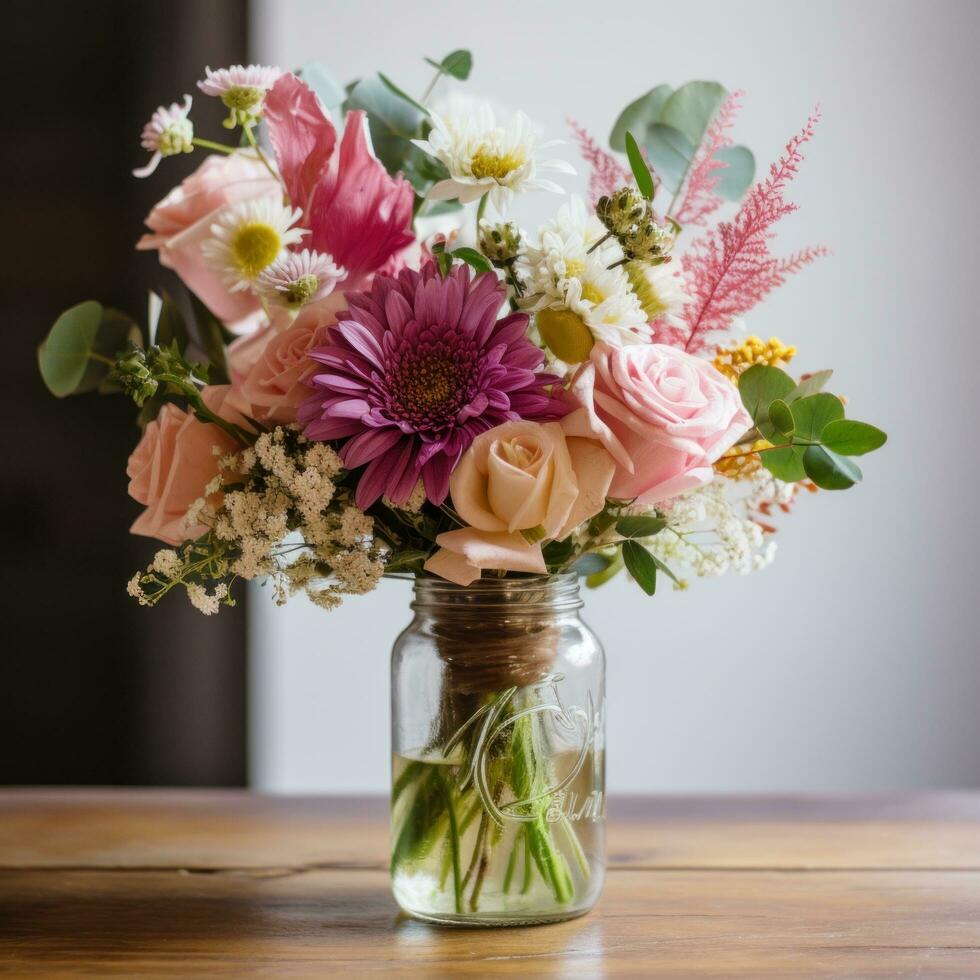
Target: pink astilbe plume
[(700, 200), (730, 270), (607, 174)]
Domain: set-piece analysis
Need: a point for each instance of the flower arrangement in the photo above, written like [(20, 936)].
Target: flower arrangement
[(359, 394), (376, 371)]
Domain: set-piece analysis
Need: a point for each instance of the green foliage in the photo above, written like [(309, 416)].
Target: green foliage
[(641, 172), (401, 93), (81, 348), (807, 426), (472, 258), (641, 565), (671, 124), (458, 64), (640, 526), (328, 90)]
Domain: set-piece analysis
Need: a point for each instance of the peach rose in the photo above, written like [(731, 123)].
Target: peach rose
[(174, 462), (269, 368), (519, 476), (182, 220), (663, 414)]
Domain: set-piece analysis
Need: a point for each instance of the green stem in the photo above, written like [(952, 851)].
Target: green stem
[(211, 145), (201, 410), (526, 883), (250, 136), (453, 841), (431, 87), (511, 863), (481, 210)]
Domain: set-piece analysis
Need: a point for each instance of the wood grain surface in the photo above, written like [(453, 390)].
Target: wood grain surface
[(210, 883)]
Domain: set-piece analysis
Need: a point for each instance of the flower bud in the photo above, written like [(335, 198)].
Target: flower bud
[(621, 212), (501, 244)]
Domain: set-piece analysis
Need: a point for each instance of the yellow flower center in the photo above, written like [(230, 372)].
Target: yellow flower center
[(565, 334), (242, 97), (488, 163), (253, 247), (591, 294), (301, 290), (574, 268)]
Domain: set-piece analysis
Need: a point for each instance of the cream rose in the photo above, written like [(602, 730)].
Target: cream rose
[(519, 476), (173, 463)]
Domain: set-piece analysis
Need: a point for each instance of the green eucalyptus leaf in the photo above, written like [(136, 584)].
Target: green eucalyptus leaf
[(781, 416), (73, 358), (812, 413), (670, 153), (785, 463), (459, 64), (640, 526), (692, 107), (401, 93), (760, 386), (641, 172), (828, 470), (810, 385), (639, 114), (591, 564), (851, 438), (327, 89), (641, 565), (736, 177)]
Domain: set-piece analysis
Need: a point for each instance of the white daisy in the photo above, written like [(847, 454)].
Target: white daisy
[(169, 131), (484, 156), (660, 291), (250, 236), (298, 278), (242, 89), (607, 305)]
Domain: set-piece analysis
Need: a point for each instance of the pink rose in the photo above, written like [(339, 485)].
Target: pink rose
[(173, 463), (183, 219), (663, 414), (269, 369), (519, 476)]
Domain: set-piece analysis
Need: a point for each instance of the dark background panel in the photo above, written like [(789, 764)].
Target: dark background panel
[(93, 688)]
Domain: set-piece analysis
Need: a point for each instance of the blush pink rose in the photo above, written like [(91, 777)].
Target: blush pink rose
[(182, 221), (269, 369), (664, 415), (173, 463), (519, 476)]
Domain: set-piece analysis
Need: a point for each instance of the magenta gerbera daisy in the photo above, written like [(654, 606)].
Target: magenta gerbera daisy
[(415, 370)]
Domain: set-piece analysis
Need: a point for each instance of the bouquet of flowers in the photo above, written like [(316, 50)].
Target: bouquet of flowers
[(376, 371)]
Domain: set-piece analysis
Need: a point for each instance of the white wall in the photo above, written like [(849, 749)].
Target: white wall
[(853, 662)]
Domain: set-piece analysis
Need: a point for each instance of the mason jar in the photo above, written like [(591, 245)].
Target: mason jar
[(498, 764)]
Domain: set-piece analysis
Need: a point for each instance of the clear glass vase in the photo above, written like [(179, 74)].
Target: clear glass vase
[(498, 766)]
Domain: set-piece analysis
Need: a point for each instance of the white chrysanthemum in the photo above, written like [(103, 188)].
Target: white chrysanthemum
[(242, 89), (169, 131), (484, 155), (563, 274), (298, 278), (660, 290), (250, 236)]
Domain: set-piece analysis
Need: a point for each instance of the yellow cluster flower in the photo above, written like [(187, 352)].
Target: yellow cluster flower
[(732, 361), (740, 462)]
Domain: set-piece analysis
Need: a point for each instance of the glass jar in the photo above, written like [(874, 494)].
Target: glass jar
[(498, 765)]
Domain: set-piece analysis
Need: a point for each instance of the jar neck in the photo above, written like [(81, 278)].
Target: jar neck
[(498, 600)]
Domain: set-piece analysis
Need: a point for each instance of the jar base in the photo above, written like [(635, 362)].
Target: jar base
[(493, 920)]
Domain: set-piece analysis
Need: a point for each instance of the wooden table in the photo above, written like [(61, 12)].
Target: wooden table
[(185, 883)]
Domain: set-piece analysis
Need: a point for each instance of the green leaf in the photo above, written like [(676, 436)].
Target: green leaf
[(670, 153), (736, 177), (811, 385), (591, 564), (459, 64), (641, 565), (327, 89), (640, 526), (785, 463), (666, 570), (641, 172), (639, 114), (781, 416), (812, 413), (170, 325), (615, 566), (851, 438), (760, 386), (213, 338), (402, 94), (691, 108), (828, 470), (472, 258), (73, 358)]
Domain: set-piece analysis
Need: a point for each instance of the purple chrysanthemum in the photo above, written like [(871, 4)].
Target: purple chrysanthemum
[(414, 371)]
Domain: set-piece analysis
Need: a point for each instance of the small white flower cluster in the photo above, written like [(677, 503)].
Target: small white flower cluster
[(281, 516), (711, 533)]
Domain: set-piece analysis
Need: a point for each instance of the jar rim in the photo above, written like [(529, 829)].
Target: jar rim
[(543, 593)]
